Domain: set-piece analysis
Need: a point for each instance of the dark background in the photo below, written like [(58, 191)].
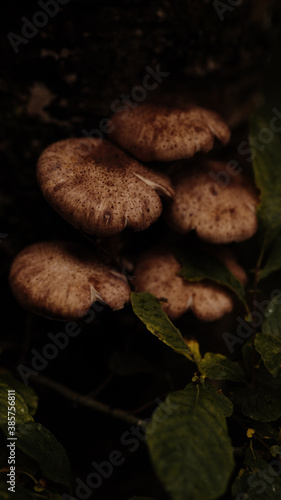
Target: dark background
[(61, 82)]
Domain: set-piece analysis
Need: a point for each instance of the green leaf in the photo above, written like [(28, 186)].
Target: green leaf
[(26, 392), (26, 464), (41, 445), (275, 450), (202, 265), (189, 445), (219, 399), (263, 404), (273, 263), (258, 480), (20, 493), (266, 165), (195, 349), (272, 322), (269, 347), (249, 484), (265, 430), (148, 308), (219, 367), (247, 356), (24, 494), (254, 460), (265, 379), (21, 414)]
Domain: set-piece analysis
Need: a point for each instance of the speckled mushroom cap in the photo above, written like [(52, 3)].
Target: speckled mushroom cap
[(98, 188), (156, 272), (154, 133), (62, 280), (219, 206)]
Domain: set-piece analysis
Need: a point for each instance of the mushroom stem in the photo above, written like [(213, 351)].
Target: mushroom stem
[(80, 399)]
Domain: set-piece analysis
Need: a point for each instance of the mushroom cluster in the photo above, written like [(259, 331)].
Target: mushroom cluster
[(103, 186)]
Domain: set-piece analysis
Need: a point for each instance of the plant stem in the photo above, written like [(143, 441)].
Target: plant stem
[(86, 401), (104, 384)]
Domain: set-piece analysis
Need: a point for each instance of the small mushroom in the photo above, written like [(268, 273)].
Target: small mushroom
[(156, 272), (219, 211), (156, 133), (61, 280), (100, 189)]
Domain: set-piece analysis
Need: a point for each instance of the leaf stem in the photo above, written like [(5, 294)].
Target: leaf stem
[(29, 475), (86, 401)]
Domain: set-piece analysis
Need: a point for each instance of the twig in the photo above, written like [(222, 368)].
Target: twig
[(148, 404), (104, 384), (90, 403)]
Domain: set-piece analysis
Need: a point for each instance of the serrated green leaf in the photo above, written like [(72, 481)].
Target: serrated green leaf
[(41, 445), (21, 414), (201, 265), (219, 367), (266, 165), (190, 447), (269, 347), (272, 322), (262, 404), (273, 262), (148, 308), (26, 392)]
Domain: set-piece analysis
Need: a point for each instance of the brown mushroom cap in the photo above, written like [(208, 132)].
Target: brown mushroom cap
[(62, 280), (154, 133), (156, 272), (219, 212), (98, 188)]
